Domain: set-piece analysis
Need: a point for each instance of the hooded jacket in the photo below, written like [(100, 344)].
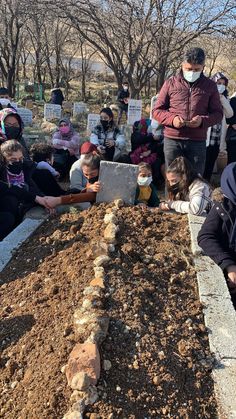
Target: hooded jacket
[(178, 98), (70, 141), (3, 115)]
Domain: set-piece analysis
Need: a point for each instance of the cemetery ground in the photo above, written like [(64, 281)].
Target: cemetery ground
[(156, 353)]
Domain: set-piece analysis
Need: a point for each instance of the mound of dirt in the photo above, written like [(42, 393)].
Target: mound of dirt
[(156, 356)]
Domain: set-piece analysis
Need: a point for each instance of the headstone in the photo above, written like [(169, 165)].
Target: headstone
[(29, 104), (52, 111), (93, 120), (67, 106), (26, 116), (79, 107), (134, 111), (118, 181)]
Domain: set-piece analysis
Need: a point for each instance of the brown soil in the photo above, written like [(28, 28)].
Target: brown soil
[(157, 343)]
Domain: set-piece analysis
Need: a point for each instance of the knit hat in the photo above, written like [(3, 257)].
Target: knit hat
[(87, 148)]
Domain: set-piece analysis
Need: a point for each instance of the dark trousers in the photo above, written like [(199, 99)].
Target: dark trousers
[(47, 183), (194, 151), (9, 214), (212, 152), (231, 150)]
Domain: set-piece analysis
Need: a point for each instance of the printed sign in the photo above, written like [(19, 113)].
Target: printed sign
[(26, 116), (134, 111), (93, 120), (79, 107), (52, 111)]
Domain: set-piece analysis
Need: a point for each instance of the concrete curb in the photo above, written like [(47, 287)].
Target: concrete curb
[(220, 319), (14, 240)]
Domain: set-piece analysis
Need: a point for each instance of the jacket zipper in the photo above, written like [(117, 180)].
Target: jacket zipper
[(189, 101)]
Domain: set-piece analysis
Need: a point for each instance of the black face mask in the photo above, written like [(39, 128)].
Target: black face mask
[(105, 124), (174, 188), (12, 133), (93, 179), (16, 167)]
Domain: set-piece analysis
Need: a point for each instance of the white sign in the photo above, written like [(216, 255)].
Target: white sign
[(79, 107), (134, 111), (93, 120), (52, 111), (26, 115)]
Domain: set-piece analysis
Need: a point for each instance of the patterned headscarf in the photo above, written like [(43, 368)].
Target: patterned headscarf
[(3, 115)]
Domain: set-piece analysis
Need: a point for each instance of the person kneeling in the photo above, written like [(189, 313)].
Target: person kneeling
[(188, 192), (146, 193)]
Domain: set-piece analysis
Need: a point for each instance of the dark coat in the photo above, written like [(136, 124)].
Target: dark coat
[(178, 98), (215, 233), (122, 94), (25, 195), (57, 97)]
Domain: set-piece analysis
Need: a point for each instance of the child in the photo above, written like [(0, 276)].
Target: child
[(77, 179), (146, 193), (42, 154), (187, 190), (217, 236)]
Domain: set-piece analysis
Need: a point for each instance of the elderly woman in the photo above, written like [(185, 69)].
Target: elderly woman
[(66, 143)]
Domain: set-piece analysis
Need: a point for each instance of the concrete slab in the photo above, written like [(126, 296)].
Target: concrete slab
[(16, 238), (220, 319), (118, 181)]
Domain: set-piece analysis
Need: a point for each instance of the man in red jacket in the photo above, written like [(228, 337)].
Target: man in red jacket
[(187, 105)]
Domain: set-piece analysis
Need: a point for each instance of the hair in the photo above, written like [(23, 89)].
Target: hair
[(41, 152), (108, 112), (194, 56), (9, 147), (92, 161), (144, 165), (125, 82), (4, 91), (182, 168)]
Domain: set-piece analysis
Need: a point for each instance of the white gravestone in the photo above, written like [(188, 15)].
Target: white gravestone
[(26, 116), (93, 120), (52, 111), (79, 107), (153, 102), (134, 111), (118, 181)]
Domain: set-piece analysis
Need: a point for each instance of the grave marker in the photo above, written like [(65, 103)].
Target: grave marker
[(153, 102), (93, 120), (118, 181), (52, 111), (26, 116), (79, 107), (134, 111)]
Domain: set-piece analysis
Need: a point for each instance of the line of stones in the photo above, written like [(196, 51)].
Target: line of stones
[(84, 365)]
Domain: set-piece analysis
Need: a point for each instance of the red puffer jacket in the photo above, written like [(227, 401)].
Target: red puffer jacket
[(178, 98)]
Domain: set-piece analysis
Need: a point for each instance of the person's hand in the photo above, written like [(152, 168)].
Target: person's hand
[(57, 174), (234, 126), (93, 187), (145, 153), (232, 277), (164, 206), (101, 149), (157, 137), (110, 143), (53, 201), (178, 122), (195, 122)]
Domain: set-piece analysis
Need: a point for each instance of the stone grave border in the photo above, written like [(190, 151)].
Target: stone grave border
[(220, 320), (219, 313)]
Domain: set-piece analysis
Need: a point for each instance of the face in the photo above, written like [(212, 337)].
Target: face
[(221, 81), (90, 173), (4, 97), (145, 173), (63, 124), (172, 178), (11, 121), (16, 156), (104, 117), (192, 67)]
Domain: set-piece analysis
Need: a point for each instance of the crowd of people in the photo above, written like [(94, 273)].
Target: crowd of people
[(192, 120)]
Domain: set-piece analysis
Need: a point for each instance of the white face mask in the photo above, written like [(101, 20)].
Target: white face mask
[(191, 76), (221, 88), (5, 102), (125, 88), (144, 181)]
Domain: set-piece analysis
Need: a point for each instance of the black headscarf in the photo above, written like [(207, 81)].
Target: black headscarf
[(228, 187)]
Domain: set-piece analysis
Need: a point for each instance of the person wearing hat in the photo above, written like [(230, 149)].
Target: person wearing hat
[(217, 236), (77, 179)]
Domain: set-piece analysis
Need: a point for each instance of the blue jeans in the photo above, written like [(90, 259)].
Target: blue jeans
[(194, 151)]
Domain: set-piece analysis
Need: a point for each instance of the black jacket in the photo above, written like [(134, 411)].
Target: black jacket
[(122, 94), (215, 233), (57, 97), (27, 194)]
